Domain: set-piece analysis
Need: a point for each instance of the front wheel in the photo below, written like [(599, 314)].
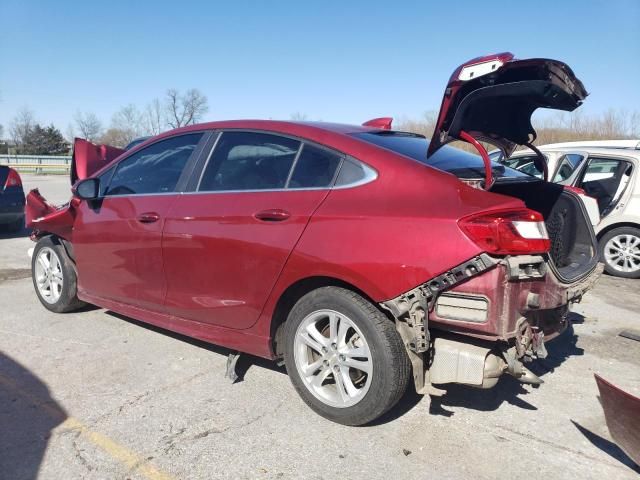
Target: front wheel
[(620, 251), (54, 277), (344, 357)]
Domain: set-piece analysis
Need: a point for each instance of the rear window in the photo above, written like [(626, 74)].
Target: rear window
[(462, 164)]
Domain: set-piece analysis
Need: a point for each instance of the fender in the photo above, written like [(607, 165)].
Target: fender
[(43, 217)]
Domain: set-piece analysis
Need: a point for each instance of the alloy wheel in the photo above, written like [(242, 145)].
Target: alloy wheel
[(333, 358), (622, 253), (48, 275)]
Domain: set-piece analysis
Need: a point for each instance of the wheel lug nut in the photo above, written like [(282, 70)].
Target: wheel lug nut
[(325, 362), (341, 357), (334, 346), (324, 350), (336, 368)]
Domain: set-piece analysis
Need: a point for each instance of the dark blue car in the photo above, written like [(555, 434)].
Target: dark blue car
[(11, 200)]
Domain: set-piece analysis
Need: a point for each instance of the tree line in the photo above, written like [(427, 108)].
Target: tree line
[(176, 109)]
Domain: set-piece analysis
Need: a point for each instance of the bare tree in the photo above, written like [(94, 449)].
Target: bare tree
[(21, 125), (1, 132), (154, 117), (185, 109), (126, 124), (299, 117), (88, 125), (70, 133)]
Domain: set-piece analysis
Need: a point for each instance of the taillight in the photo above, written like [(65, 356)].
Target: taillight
[(508, 232), (13, 179)]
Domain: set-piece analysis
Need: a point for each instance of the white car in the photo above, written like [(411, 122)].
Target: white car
[(607, 171)]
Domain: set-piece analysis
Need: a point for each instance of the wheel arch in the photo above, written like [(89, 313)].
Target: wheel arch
[(613, 226), (295, 292)]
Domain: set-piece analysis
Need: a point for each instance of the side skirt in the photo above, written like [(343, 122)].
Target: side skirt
[(240, 340)]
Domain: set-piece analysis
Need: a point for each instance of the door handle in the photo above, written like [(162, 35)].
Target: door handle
[(148, 217), (272, 215)]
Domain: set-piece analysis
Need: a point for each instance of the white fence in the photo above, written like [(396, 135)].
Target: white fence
[(38, 163)]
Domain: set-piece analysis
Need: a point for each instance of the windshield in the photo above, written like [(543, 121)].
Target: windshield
[(462, 164)]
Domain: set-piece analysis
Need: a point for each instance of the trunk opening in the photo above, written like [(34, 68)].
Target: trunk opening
[(574, 251)]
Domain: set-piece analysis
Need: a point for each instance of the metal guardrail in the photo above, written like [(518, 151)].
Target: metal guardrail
[(38, 163)]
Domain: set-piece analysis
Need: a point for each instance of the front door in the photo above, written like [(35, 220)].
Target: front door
[(117, 239), (226, 244)]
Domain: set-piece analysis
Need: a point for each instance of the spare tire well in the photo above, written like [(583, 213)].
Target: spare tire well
[(292, 294)]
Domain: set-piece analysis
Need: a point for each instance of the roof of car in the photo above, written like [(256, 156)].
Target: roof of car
[(625, 152)]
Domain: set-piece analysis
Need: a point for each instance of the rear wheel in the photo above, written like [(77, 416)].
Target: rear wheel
[(344, 357), (54, 277), (620, 251)]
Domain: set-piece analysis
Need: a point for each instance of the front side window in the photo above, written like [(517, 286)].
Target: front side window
[(568, 164), (249, 161), (155, 169)]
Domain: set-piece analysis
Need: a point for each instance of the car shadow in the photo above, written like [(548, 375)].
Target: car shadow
[(245, 361), (28, 414), (508, 389), (608, 447)]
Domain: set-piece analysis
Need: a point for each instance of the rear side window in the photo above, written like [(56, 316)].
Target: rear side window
[(315, 168), (155, 169), (249, 161)]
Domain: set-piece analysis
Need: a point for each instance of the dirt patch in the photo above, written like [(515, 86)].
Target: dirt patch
[(14, 274)]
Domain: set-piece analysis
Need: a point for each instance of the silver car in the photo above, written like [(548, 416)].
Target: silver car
[(608, 172)]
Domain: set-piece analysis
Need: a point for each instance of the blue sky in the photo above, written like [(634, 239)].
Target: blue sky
[(331, 60)]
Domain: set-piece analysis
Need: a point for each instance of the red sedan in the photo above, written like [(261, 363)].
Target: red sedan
[(362, 256)]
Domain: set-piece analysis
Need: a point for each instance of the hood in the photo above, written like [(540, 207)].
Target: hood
[(88, 158), (492, 99)]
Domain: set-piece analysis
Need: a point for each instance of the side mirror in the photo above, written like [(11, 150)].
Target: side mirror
[(87, 189)]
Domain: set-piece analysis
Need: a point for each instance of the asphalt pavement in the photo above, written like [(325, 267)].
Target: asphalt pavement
[(95, 395)]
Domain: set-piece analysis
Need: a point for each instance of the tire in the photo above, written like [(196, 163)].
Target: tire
[(620, 252), (362, 336), (56, 285)]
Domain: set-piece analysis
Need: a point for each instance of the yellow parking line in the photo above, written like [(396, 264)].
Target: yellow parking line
[(125, 456)]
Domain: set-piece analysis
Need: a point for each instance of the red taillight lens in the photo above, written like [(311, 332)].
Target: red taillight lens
[(13, 179), (508, 232)]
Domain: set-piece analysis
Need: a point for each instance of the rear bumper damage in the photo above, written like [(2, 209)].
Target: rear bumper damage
[(484, 318)]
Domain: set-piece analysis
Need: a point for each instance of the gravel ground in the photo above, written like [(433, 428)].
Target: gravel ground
[(98, 396)]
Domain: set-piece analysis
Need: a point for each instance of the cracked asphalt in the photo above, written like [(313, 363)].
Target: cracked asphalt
[(98, 396)]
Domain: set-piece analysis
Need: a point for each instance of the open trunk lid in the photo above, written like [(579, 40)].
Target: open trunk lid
[(492, 99), (89, 158)]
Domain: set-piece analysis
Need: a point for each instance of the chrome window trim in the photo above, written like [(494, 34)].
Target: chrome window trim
[(371, 174)]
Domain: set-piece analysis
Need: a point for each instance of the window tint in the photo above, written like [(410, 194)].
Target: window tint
[(105, 178), (155, 169), (449, 159), (315, 168), (249, 161)]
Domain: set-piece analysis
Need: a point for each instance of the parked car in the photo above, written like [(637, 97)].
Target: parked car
[(610, 177), (361, 256), (12, 199)]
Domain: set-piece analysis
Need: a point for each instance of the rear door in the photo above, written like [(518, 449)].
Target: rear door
[(606, 179), (226, 243), (117, 239)]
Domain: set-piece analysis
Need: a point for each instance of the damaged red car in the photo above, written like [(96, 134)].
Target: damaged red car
[(363, 257)]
